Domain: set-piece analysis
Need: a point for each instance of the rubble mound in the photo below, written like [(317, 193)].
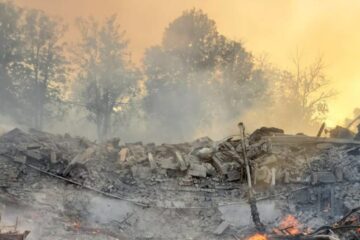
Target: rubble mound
[(72, 186)]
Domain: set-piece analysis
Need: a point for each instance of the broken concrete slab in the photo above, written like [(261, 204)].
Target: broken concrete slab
[(180, 159), (141, 172), (197, 170), (323, 177), (81, 158), (339, 174), (268, 160), (210, 170), (205, 153), (221, 228), (137, 152), (233, 175), (218, 164), (53, 157), (263, 174), (152, 161), (105, 174), (324, 146), (168, 163), (123, 154)]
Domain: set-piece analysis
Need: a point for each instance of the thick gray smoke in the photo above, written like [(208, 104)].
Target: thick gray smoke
[(196, 82)]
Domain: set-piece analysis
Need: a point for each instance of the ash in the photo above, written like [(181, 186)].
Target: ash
[(64, 187)]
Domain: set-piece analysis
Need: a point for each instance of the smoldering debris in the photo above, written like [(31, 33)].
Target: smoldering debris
[(71, 186)]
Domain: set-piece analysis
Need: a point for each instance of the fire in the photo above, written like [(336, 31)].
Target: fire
[(288, 226), (258, 236)]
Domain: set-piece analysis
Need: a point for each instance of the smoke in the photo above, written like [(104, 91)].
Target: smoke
[(354, 120), (239, 215), (187, 113), (274, 27), (7, 123), (75, 123)]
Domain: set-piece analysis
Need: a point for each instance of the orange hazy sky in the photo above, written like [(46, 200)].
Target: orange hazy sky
[(277, 28)]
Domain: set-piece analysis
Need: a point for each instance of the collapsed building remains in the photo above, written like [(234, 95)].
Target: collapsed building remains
[(62, 186)]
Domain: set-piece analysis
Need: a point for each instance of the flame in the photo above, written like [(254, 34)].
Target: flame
[(289, 226), (258, 236)]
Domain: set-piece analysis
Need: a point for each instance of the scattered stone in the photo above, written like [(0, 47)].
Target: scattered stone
[(152, 161), (197, 170), (210, 170), (263, 174), (218, 164), (180, 159), (81, 158), (221, 228), (205, 153), (137, 152), (323, 177), (324, 146), (53, 157), (341, 132), (168, 163), (233, 175), (264, 131), (140, 172), (188, 196), (123, 154), (339, 174)]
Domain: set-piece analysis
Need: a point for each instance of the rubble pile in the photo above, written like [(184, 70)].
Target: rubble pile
[(115, 190)]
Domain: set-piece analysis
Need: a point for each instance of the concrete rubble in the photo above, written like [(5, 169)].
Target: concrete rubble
[(64, 186)]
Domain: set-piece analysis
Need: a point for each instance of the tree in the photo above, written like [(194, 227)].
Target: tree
[(10, 54), (242, 81), (351, 122), (41, 74), (109, 82), (196, 76), (303, 93)]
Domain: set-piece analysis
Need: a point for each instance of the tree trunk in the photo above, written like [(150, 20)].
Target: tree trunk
[(107, 124)]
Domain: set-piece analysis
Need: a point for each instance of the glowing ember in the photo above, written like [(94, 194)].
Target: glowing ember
[(288, 226), (258, 237)]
